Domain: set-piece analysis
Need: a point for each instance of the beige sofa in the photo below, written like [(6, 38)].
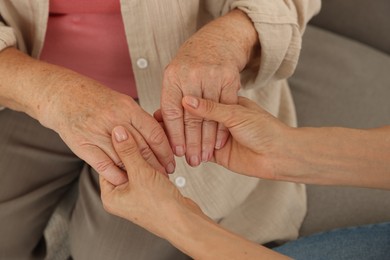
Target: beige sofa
[(343, 79)]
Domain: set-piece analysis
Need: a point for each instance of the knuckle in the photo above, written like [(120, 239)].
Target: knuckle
[(128, 150), (194, 72), (103, 166), (170, 71), (209, 123), (231, 80), (193, 145), (171, 76), (208, 143), (209, 133), (192, 122), (223, 132), (171, 113), (157, 136), (121, 165), (176, 137), (146, 152), (209, 106)]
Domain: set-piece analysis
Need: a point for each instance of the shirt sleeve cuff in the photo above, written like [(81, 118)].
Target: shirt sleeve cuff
[(7, 37), (279, 26)]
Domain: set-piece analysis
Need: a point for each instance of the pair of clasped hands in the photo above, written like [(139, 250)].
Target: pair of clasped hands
[(148, 198), (206, 65)]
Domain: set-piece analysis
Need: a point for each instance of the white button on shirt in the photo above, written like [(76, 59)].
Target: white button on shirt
[(180, 181), (142, 63)]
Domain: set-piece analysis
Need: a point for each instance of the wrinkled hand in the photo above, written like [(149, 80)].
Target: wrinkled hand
[(148, 199), (200, 71), (256, 136), (84, 117), (207, 65)]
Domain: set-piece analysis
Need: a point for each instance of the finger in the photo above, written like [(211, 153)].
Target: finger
[(193, 131), (251, 105), (211, 110), (209, 134), (243, 123), (172, 113), (127, 149), (103, 165), (242, 101), (156, 139), (209, 127), (158, 116), (144, 149), (229, 95)]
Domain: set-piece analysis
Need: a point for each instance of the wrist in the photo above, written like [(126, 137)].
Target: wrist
[(56, 83), (229, 40), (248, 42), (288, 155), (323, 156), (336, 156), (28, 85), (199, 237), (186, 229)]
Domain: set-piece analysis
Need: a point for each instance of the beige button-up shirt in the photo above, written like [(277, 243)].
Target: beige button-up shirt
[(260, 210)]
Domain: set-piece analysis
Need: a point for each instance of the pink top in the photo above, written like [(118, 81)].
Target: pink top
[(88, 36)]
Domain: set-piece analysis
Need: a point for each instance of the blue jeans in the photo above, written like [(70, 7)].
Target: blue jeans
[(363, 242)]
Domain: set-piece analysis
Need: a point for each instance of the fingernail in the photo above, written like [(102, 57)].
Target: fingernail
[(194, 160), (218, 144), (120, 134), (170, 168), (192, 101), (179, 150)]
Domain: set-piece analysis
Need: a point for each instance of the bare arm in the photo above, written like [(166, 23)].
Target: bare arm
[(337, 156), (82, 111), (150, 200), (203, 239), (25, 82), (263, 147)]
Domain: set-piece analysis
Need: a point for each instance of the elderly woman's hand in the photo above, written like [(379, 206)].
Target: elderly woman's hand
[(207, 65)]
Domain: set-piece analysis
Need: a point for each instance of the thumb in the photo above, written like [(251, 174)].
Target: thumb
[(211, 110), (127, 150), (242, 120)]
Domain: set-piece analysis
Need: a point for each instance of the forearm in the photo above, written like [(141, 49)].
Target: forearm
[(31, 86), (16, 91), (201, 238), (233, 36), (336, 156), (26, 84), (237, 28)]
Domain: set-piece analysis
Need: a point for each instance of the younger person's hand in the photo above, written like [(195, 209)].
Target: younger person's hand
[(148, 199), (256, 136), (151, 201), (262, 146)]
